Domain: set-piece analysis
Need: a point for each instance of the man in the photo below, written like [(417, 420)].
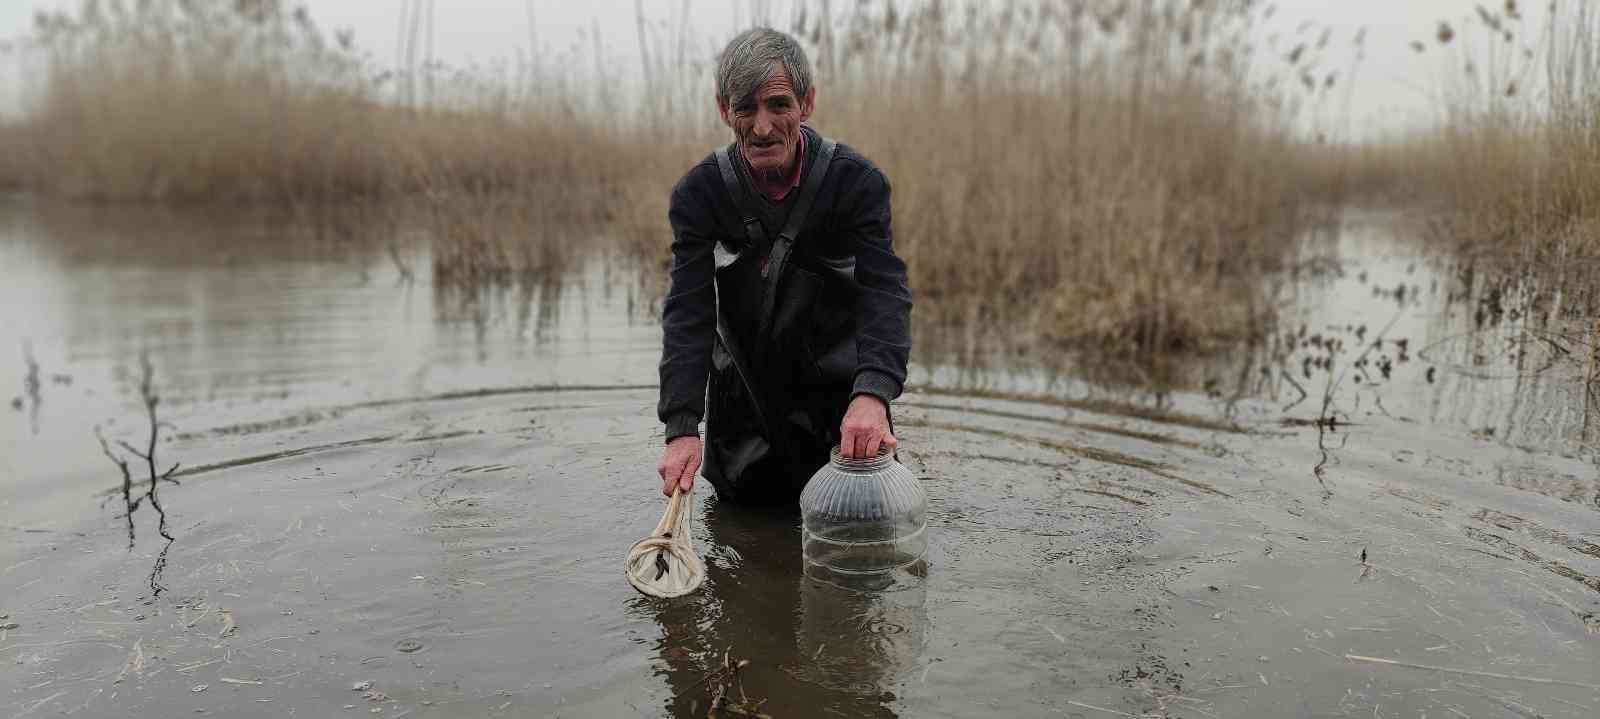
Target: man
[(787, 320)]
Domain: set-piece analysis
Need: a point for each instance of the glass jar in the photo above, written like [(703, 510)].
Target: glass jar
[(861, 520)]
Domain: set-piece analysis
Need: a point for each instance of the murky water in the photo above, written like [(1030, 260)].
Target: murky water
[(431, 491)]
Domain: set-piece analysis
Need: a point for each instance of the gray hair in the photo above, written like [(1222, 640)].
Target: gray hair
[(748, 59)]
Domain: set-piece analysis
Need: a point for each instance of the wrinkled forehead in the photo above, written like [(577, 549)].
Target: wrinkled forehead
[(776, 84)]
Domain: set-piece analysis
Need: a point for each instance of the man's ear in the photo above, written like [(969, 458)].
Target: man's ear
[(808, 103), (722, 109)]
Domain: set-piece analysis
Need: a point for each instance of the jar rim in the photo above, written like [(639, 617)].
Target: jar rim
[(882, 460)]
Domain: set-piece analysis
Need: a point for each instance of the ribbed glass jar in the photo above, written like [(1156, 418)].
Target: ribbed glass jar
[(861, 519)]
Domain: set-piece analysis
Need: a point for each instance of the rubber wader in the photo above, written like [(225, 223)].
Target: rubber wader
[(784, 359)]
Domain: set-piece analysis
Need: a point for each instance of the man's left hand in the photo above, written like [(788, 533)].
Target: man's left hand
[(865, 428)]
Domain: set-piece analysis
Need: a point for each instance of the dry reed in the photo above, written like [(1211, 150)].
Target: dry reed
[(214, 101), (1515, 158), (1087, 171), (1103, 173)]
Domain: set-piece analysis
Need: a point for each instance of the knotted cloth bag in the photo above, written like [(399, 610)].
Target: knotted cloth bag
[(664, 564)]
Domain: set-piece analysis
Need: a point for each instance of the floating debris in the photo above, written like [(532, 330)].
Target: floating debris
[(722, 683), (1471, 673), (408, 646)]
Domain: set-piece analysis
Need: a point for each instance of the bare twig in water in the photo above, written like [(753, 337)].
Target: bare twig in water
[(1471, 673), (1296, 385), (1114, 495), (1320, 471), (722, 682), (131, 504), (1092, 707), (1328, 418)]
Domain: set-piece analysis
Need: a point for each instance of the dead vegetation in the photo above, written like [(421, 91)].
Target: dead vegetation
[(222, 103), (1096, 173), (1514, 159), (251, 102), (1089, 172), (725, 690)]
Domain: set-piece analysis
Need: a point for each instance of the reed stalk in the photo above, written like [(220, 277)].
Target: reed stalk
[(1086, 171)]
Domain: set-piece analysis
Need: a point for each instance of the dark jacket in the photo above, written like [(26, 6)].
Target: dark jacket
[(840, 325)]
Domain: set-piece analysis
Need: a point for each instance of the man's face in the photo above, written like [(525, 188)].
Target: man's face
[(767, 124)]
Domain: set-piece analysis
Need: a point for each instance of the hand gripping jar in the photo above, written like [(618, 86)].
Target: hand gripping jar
[(861, 520)]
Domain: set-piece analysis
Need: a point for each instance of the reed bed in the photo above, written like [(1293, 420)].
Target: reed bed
[(1515, 160), (1109, 173), (250, 102)]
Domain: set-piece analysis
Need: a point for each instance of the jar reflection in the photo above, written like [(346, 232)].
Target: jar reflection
[(814, 648)]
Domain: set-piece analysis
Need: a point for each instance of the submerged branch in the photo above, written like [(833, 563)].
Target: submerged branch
[(127, 481), (152, 482)]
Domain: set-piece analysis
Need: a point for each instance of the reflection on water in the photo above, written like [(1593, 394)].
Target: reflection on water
[(1369, 322), (248, 314), (315, 367), (1501, 349), (848, 637), (816, 649), (248, 310)]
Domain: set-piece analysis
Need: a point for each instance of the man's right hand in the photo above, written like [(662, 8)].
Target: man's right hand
[(679, 463)]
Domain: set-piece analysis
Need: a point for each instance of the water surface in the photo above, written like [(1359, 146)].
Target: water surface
[(432, 490)]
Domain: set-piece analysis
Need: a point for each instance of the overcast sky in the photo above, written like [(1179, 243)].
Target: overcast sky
[(1395, 86)]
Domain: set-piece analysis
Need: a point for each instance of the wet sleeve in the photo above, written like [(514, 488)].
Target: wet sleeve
[(688, 316), (883, 309)]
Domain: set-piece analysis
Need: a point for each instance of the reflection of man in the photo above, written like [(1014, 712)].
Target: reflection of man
[(787, 322), (754, 606)]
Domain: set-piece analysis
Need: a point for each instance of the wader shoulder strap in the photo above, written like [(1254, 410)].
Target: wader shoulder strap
[(754, 233), (755, 240), (802, 206), (777, 248), (772, 271)]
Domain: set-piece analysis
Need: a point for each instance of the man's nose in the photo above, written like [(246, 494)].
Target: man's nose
[(764, 124)]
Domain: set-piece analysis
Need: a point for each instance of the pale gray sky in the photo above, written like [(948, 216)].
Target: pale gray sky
[(1394, 85)]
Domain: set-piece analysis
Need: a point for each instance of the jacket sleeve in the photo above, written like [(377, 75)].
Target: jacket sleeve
[(883, 308), (688, 315)]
